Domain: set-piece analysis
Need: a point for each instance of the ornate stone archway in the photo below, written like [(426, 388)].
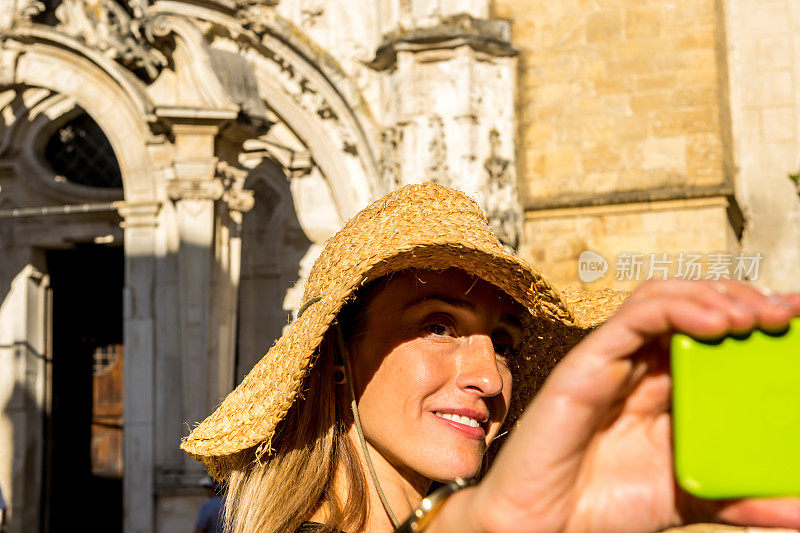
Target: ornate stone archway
[(198, 103), (77, 77), (305, 90)]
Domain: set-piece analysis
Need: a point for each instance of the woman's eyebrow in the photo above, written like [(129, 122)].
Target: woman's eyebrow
[(508, 318), (449, 300)]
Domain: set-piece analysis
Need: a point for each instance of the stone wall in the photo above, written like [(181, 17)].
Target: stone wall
[(616, 95), (632, 239), (764, 72), (618, 102)]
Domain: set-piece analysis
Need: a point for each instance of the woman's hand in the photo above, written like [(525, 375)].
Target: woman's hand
[(593, 451)]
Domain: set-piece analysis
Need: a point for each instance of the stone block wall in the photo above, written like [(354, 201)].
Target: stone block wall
[(616, 98), (629, 238), (616, 95), (764, 72)]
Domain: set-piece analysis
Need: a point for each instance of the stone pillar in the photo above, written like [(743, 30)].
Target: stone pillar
[(227, 272), (202, 268), (208, 199), (194, 190), (140, 224), (449, 85)]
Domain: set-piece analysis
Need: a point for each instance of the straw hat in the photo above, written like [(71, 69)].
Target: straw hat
[(425, 226)]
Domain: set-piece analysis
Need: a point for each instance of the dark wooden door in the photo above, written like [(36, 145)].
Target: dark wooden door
[(107, 422)]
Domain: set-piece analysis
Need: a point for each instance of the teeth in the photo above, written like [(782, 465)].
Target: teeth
[(467, 421)]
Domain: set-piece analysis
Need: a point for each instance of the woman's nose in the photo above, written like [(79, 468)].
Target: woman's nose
[(478, 371)]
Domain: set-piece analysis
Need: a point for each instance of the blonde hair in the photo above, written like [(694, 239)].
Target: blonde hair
[(277, 494)]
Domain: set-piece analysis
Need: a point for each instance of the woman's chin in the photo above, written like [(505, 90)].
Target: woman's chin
[(445, 473)]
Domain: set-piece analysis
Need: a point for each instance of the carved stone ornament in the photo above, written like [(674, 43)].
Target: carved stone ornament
[(234, 194), (255, 14), (496, 167), (502, 208), (307, 94), (438, 169), (138, 214), (183, 189), (245, 3), (390, 164), (492, 37), (23, 13), (239, 200), (126, 35), (312, 13)]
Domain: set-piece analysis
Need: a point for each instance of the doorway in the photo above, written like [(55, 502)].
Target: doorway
[(84, 429)]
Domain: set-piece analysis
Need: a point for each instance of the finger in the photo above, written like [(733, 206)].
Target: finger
[(588, 372), (713, 295), (783, 512), (674, 286), (794, 301), (746, 306), (632, 326), (598, 371), (742, 317), (771, 311)]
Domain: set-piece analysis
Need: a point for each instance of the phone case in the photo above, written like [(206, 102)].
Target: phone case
[(736, 414)]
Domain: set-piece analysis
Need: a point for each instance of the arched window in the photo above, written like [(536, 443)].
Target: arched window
[(80, 152)]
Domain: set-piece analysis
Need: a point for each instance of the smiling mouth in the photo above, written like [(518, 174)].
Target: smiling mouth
[(465, 420)]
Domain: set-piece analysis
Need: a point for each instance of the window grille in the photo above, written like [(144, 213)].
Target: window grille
[(80, 152), (105, 357)]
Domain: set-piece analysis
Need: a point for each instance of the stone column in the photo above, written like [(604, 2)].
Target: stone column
[(449, 85), (208, 198), (140, 223), (194, 191), (227, 271)]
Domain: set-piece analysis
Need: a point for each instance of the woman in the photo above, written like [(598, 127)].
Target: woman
[(419, 345)]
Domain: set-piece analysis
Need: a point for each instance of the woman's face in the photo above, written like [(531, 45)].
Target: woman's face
[(431, 372)]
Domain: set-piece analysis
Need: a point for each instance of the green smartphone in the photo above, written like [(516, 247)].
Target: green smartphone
[(736, 414)]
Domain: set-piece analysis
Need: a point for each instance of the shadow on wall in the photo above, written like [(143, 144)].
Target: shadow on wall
[(273, 245)]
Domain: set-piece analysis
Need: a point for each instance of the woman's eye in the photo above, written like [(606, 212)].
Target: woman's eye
[(504, 350), (503, 345), (437, 329)]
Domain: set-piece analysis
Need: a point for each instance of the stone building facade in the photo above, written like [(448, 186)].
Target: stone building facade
[(658, 127), (170, 169)]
